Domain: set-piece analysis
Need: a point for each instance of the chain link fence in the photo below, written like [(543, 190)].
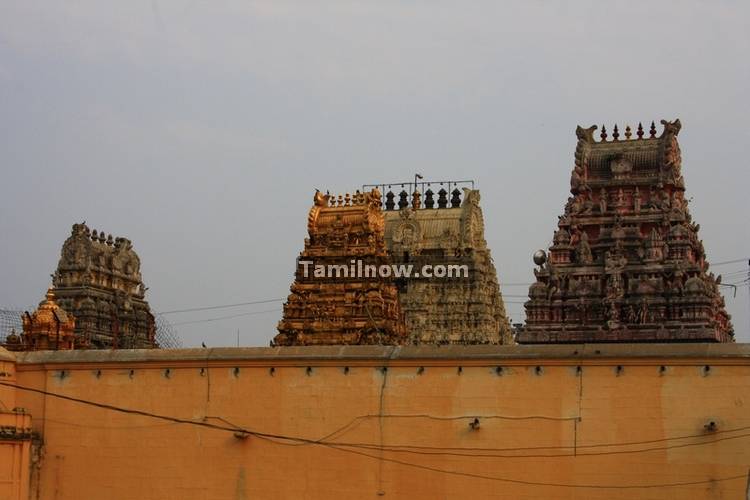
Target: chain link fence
[(166, 335)]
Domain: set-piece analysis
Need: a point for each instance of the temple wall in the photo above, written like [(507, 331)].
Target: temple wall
[(647, 394), (15, 439)]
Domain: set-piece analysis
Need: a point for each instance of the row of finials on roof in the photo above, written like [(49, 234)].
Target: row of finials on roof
[(628, 132), (403, 199), (429, 199)]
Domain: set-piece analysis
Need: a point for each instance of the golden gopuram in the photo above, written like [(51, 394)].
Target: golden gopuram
[(339, 305), (49, 328), (426, 230)]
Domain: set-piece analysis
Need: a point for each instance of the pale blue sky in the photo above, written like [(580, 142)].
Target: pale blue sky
[(200, 130)]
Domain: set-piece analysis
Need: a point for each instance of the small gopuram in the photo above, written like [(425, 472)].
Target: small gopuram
[(49, 328), (626, 263), (431, 226), (341, 304), (98, 280)]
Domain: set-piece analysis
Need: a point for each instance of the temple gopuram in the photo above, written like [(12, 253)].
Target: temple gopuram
[(626, 263), (428, 227), (98, 281), (342, 309), (49, 328)]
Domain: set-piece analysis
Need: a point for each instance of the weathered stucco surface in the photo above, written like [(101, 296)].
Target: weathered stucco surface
[(525, 398)]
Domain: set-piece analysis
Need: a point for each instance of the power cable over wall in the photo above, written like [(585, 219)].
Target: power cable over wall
[(362, 450)]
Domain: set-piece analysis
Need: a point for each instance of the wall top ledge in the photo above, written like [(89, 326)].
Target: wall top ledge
[(490, 353), (6, 355)]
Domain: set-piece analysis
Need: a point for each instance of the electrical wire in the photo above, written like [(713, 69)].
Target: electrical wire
[(737, 271), (267, 301), (225, 306), (219, 318), (235, 427), (108, 427), (734, 261), (290, 440), (463, 417), (526, 448), (520, 481), (570, 454)]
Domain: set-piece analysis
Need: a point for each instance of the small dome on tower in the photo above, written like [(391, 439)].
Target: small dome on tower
[(49, 327)]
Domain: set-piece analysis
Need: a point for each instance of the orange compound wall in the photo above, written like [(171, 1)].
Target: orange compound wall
[(481, 422), (15, 436)]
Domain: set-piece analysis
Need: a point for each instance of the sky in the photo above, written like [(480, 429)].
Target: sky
[(200, 130)]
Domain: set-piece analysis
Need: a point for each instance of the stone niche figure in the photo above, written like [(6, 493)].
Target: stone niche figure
[(583, 310), (407, 236), (569, 205), (583, 250), (553, 286), (614, 263), (619, 201), (618, 232), (612, 315), (575, 178), (588, 204), (603, 200), (666, 201), (678, 204), (653, 201), (632, 314), (643, 312), (637, 201)]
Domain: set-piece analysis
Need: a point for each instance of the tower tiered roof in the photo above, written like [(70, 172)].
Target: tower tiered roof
[(343, 308), (626, 263)]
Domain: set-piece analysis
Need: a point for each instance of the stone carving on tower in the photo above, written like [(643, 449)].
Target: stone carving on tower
[(445, 232), (49, 328), (626, 262), (342, 306), (98, 280)]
